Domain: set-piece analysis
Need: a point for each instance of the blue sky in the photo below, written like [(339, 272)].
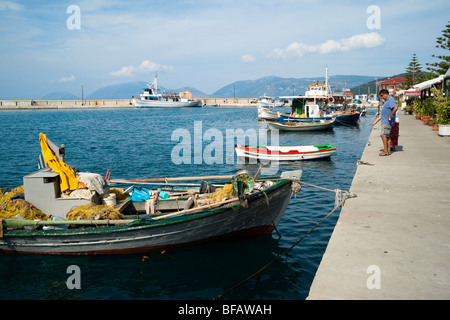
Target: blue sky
[(207, 44)]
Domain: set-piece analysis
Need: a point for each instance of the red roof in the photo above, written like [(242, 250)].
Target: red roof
[(393, 81)]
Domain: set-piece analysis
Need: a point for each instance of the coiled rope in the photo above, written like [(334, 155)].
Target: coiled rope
[(340, 198)]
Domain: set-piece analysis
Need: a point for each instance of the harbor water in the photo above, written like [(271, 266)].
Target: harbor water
[(145, 143)]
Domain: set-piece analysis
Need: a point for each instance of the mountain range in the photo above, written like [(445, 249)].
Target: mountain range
[(270, 85)]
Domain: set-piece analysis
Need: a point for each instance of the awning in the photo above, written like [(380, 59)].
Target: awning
[(412, 91), (428, 84)]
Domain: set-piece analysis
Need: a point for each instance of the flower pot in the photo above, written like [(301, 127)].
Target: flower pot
[(425, 119), (444, 129), (418, 116), (435, 127), (431, 122)]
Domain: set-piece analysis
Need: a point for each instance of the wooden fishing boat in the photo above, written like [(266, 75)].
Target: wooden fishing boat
[(350, 117), (286, 153), (315, 105), (253, 208), (303, 125)]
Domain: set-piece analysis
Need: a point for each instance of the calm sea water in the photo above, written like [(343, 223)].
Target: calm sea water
[(138, 143)]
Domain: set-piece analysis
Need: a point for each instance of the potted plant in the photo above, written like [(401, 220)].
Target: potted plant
[(443, 118), (418, 110), (427, 110)]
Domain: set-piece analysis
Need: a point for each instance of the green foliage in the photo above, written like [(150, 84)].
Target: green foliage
[(443, 113), (413, 71), (443, 43), (429, 108)]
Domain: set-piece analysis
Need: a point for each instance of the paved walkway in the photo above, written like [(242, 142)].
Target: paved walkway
[(393, 240)]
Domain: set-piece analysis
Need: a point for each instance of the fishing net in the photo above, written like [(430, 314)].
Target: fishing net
[(119, 194), (224, 193), (18, 208), (92, 211)]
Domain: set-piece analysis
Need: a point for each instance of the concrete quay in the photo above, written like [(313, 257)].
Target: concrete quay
[(64, 104), (111, 103), (392, 242)]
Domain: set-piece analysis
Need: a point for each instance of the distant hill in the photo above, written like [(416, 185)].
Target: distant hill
[(118, 91), (276, 86), (369, 87), (271, 85), (60, 96)]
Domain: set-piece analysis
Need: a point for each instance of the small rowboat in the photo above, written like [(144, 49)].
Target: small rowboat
[(303, 125), (286, 153)]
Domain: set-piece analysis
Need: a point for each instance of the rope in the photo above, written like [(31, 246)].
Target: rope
[(340, 198), (270, 215)]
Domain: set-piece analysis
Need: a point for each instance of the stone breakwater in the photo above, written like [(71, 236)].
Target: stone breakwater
[(64, 104), (110, 103)]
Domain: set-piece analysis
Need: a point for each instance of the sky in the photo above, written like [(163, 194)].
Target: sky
[(55, 46)]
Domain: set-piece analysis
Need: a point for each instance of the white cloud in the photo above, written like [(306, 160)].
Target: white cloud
[(359, 41), (67, 79), (8, 5), (145, 67), (248, 58)]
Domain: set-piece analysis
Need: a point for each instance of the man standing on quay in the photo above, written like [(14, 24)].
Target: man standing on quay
[(387, 117)]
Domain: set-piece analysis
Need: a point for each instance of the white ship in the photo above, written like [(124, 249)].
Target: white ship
[(150, 98)]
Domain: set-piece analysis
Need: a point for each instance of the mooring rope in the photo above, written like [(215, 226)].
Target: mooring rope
[(340, 198), (270, 215)]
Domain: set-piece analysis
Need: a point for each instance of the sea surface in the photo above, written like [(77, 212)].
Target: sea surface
[(150, 143)]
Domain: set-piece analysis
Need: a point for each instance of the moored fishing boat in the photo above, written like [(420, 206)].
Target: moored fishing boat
[(303, 125), (238, 206), (315, 105), (150, 98), (267, 114), (350, 117), (270, 102), (286, 153)]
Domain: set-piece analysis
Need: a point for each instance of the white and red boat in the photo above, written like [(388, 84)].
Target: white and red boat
[(286, 153)]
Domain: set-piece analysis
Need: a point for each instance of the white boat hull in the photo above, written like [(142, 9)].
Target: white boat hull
[(166, 104), (266, 114), (289, 154)]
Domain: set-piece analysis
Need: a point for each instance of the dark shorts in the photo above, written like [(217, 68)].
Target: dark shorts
[(386, 130)]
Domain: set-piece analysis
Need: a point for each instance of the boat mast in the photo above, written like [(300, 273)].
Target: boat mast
[(155, 82)]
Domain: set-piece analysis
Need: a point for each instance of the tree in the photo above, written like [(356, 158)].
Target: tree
[(413, 73), (438, 68)]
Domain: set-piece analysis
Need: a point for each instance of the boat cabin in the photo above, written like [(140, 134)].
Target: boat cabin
[(308, 107), (42, 189), (318, 91), (150, 94)]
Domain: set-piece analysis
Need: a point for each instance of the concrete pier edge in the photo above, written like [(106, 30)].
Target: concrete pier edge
[(111, 103), (392, 241)]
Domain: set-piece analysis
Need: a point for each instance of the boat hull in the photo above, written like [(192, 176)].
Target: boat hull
[(166, 104), (348, 118), (230, 221), (286, 154), (303, 126), (266, 114)]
